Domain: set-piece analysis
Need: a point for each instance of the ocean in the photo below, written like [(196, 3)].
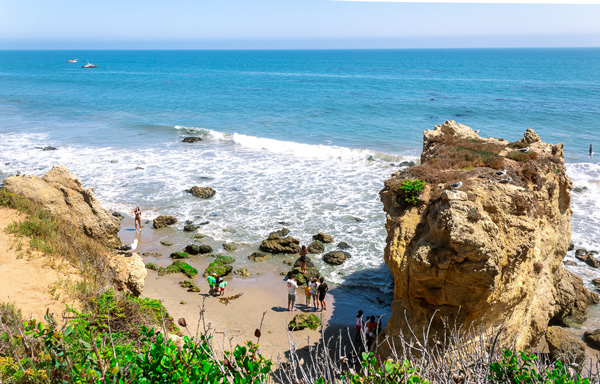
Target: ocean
[(300, 137)]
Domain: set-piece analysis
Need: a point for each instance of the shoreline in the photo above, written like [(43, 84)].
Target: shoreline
[(262, 292)]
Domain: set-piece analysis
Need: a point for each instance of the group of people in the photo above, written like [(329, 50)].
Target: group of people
[(368, 330), (216, 285), (316, 289)]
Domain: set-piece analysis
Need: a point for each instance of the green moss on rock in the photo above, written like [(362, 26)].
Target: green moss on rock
[(224, 259), (189, 285), (179, 255), (152, 266), (304, 320), (229, 247), (179, 267)]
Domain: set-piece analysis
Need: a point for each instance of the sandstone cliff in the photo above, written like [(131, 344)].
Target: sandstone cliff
[(489, 250), (61, 193)]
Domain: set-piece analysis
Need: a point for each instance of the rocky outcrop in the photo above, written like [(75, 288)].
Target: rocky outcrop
[(61, 193), (191, 139), (336, 257), (163, 221), (564, 347), (130, 272), (323, 238), (258, 256), (302, 278), (277, 243), (489, 251), (202, 192), (316, 247)]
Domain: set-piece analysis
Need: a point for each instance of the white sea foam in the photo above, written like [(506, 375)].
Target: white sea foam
[(259, 182)]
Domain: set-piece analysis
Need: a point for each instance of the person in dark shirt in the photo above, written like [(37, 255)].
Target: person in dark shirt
[(322, 289)]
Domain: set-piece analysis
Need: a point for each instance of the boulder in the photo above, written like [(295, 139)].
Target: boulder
[(335, 257), (61, 193), (530, 136), (130, 273), (304, 320), (588, 259), (219, 267), (201, 192), (258, 256), (243, 272), (49, 149), (316, 247), (145, 254), (275, 243), (323, 237), (596, 282), (152, 267), (166, 243), (570, 263), (190, 227), (592, 338), (580, 252), (179, 255), (191, 287), (224, 259), (506, 268), (118, 215), (343, 245), (191, 139), (302, 278), (199, 236), (194, 249), (229, 247), (571, 247), (163, 221), (564, 347), (179, 267)]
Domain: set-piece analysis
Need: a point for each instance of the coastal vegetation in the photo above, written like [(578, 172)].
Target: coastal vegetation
[(412, 189)]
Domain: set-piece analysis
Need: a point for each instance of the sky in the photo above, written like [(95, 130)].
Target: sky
[(292, 24)]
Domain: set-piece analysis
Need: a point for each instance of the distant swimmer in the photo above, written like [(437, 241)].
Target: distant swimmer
[(526, 149), (591, 151)]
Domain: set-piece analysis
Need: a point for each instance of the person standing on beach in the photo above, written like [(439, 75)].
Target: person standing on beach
[(323, 288), (303, 253), (292, 286), (137, 217), (313, 285), (211, 284), (359, 324)]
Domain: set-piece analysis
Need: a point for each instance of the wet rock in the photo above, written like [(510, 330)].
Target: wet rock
[(152, 267), (564, 347), (118, 215), (304, 320), (580, 252), (276, 243), (179, 255), (190, 228), (194, 249), (407, 164), (166, 243), (302, 278), (199, 236), (335, 257), (596, 282), (179, 267), (258, 256), (570, 262), (229, 247), (201, 192), (588, 259), (191, 139), (204, 223), (243, 272), (572, 300), (114, 161), (191, 287), (316, 247), (580, 189), (138, 168), (323, 237), (344, 245), (163, 221), (220, 267), (49, 148), (592, 338), (571, 247), (151, 254)]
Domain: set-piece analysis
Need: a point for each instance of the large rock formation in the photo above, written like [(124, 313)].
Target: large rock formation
[(61, 193), (490, 251)]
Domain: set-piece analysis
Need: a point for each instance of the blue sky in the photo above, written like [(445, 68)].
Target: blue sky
[(248, 24)]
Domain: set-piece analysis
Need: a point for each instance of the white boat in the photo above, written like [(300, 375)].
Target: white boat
[(72, 61), (89, 65)]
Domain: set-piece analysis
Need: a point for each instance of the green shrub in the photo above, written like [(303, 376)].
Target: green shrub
[(388, 372), (412, 189)]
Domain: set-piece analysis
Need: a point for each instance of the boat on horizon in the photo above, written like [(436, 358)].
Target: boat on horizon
[(71, 61), (89, 65)]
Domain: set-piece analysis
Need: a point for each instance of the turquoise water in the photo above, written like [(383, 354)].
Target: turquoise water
[(305, 137)]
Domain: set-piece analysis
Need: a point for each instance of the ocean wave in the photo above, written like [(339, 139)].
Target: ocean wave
[(326, 151)]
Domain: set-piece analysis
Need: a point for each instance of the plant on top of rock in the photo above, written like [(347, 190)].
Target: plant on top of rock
[(412, 189)]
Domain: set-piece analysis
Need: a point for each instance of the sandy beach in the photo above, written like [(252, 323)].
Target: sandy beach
[(264, 292)]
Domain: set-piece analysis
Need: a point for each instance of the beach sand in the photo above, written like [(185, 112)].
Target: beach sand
[(264, 292)]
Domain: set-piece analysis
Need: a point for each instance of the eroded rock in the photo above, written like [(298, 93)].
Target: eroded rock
[(201, 192), (163, 221)]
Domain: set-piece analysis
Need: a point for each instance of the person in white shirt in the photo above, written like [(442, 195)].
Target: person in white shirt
[(313, 292), (292, 286)]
